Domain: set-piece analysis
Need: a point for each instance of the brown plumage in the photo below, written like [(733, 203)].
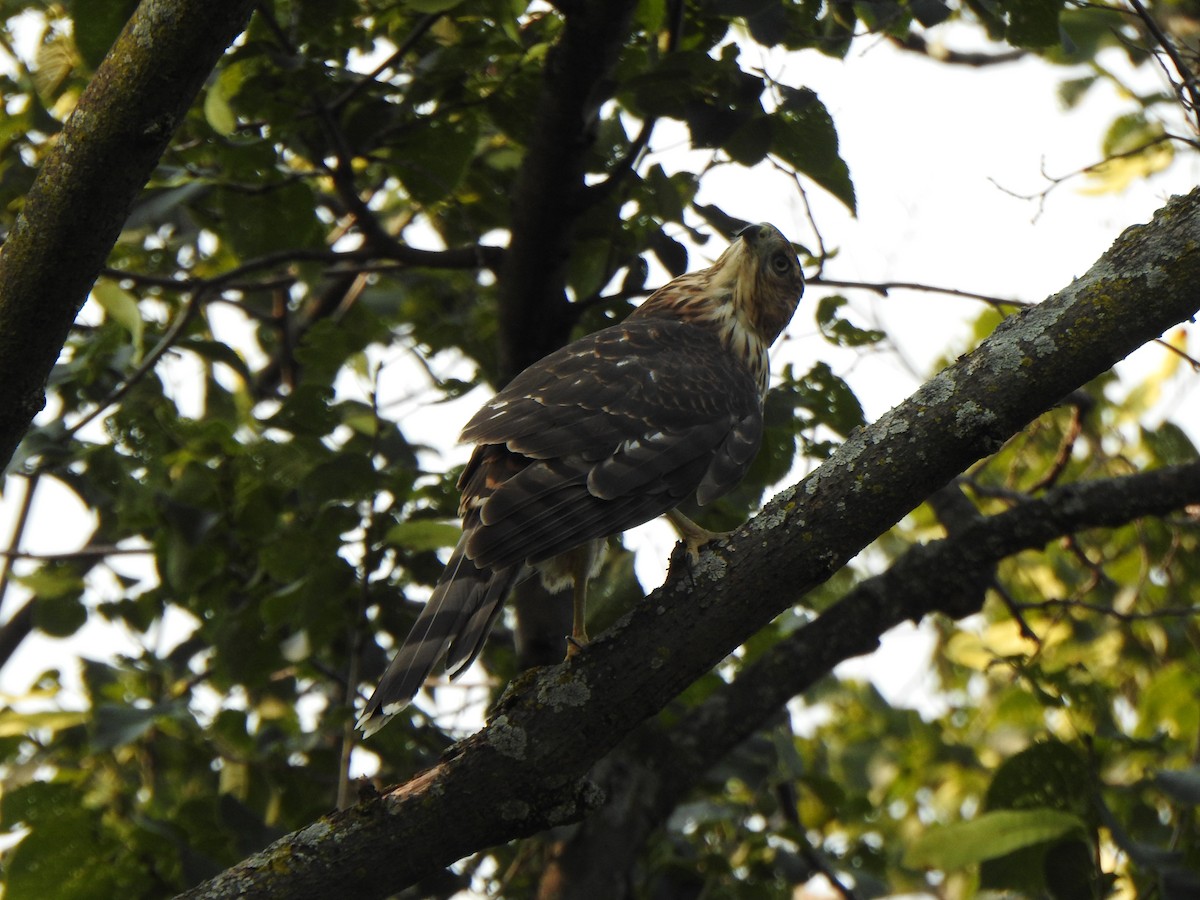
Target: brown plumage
[(610, 431)]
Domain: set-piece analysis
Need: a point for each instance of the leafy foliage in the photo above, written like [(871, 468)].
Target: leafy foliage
[(327, 247)]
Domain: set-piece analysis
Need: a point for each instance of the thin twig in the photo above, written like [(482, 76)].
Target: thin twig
[(1056, 180), (1170, 612), (915, 43), (95, 551), (167, 341), (31, 483), (422, 25), (1065, 448), (1014, 610), (1188, 83), (884, 287)]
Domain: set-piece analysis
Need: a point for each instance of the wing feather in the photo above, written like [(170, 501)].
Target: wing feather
[(605, 434)]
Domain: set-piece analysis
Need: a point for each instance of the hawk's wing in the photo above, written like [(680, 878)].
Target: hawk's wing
[(609, 432)]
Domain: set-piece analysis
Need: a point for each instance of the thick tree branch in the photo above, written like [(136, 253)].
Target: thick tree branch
[(549, 187), (553, 725), (949, 575), (547, 199), (77, 206)]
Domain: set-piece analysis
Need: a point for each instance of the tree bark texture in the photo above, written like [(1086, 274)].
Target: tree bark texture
[(104, 155), (527, 769)]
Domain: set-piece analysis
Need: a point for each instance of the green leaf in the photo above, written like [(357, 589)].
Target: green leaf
[(839, 331), (1135, 150), (278, 219), (1033, 23), (672, 254), (418, 535), (97, 24), (58, 608), (751, 142), (219, 111), (1046, 774), (830, 400), (1130, 132), (989, 836), (122, 307), (218, 99), (1183, 785), (52, 581), (115, 725), (18, 724), (1071, 91), (431, 6), (1170, 445), (587, 268), (805, 137), (69, 854), (1085, 32), (157, 206), (431, 156), (929, 12)]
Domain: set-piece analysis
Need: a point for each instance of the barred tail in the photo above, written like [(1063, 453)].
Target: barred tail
[(457, 619)]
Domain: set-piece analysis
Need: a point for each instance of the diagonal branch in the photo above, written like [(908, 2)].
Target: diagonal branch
[(83, 192), (554, 724)]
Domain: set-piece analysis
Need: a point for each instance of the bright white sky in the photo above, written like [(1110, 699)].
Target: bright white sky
[(927, 146)]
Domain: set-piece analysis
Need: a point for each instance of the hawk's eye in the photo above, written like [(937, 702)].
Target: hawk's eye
[(780, 263)]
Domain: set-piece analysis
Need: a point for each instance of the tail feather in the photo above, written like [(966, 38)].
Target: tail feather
[(470, 638), (451, 613)]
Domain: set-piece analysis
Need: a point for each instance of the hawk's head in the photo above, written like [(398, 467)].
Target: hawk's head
[(764, 279), (747, 296)]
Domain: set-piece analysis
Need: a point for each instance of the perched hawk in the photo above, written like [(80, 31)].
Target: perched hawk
[(610, 431)]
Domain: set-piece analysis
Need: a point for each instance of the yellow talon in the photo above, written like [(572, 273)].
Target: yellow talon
[(692, 535)]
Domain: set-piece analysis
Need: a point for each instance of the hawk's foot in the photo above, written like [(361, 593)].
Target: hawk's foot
[(692, 535)]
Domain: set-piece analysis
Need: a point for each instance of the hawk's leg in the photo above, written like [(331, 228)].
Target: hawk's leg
[(579, 635), (575, 567), (692, 534)]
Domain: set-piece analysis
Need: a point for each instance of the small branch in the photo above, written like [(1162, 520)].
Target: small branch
[(419, 30), (14, 542), (172, 334), (916, 43), (1170, 612), (1080, 401), (1188, 79), (15, 630), (822, 251), (884, 287), (99, 551), (1191, 361), (1056, 180)]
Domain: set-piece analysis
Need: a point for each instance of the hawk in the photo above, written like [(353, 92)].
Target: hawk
[(604, 434)]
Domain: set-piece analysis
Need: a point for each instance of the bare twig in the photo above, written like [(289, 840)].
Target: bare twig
[(1187, 83), (1169, 612), (14, 542), (883, 288), (1056, 180), (419, 30), (916, 43), (92, 551), (170, 336), (1065, 447)]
